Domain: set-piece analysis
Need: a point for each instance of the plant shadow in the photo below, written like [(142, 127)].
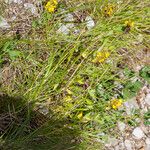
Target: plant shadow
[(22, 127)]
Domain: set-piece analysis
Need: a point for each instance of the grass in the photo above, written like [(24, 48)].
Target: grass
[(44, 67)]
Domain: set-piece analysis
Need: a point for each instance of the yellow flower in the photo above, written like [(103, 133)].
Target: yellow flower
[(101, 57), (51, 5), (108, 10), (129, 24), (80, 115), (116, 103)]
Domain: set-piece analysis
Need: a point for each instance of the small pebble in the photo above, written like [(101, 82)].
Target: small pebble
[(111, 142), (147, 99), (147, 141), (117, 147), (89, 22), (138, 133), (122, 146), (44, 110), (69, 25), (31, 7), (69, 18), (13, 1), (63, 29), (3, 23), (128, 144), (121, 126)]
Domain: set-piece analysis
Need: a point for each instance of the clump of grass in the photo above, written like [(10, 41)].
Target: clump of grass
[(60, 68)]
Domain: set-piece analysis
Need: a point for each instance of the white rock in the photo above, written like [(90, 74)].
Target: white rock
[(13, 1), (147, 147), (31, 7), (138, 120), (76, 31), (122, 146), (128, 144), (111, 142), (117, 147), (147, 141), (69, 25), (13, 18), (69, 18), (63, 29), (89, 22), (121, 126), (147, 99), (138, 133), (44, 110), (131, 105), (101, 134), (3, 23)]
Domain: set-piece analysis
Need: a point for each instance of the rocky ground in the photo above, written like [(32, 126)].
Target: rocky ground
[(133, 137), (18, 15)]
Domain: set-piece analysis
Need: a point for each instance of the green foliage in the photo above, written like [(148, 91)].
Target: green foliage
[(131, 89), (8, 49), (145, 73), (128, 73), (146, 118), (54, 63)]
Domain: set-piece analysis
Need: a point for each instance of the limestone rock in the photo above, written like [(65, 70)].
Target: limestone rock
[(69, 18), (138, 133), (13, 1), (89, 22), (121, 126), (63, 29), (31, 7), (128, 144), (3, 23), (147, 99)]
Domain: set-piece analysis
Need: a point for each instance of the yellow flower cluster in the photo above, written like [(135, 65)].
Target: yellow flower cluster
[(101, 57), (116, 103), (108, 10), (51, 5), (129, 24)]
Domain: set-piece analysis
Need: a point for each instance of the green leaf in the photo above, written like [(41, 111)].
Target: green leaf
[(14, 54), (145, 73), (7, 46), (128, 72), (131, 89), (92, 93), (132, 122)]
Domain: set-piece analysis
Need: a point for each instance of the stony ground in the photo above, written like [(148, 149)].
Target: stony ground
[(18, 15), (138, 137)]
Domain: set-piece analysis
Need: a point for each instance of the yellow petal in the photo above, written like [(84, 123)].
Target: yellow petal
[(116, 103), (80, 115)]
